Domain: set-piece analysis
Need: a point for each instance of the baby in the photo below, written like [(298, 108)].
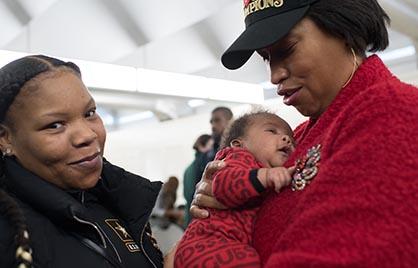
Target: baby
[(254, 149)]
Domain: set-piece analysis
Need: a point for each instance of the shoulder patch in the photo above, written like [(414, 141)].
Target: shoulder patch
[(123, 235)]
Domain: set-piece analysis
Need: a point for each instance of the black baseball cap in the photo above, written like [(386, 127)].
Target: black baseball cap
[(266, 21)]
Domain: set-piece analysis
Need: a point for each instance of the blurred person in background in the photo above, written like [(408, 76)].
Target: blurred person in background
[(165, 210), (167, 220), (202, 145), (220, 118)]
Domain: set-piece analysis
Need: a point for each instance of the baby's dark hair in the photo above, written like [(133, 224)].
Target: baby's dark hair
[(13, 77), (238, 128)]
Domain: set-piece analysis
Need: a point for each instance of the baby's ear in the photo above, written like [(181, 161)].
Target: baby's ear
[(236, 143)]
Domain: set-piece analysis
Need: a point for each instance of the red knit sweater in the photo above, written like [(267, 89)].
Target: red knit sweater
[(361, 209)]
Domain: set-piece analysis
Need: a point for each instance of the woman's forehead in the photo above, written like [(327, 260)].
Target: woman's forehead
[(58, 90), (297, 32)]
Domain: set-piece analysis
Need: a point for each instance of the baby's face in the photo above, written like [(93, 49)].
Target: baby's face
[(268, 140)]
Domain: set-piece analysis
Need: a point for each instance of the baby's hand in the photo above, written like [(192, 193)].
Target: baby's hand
[(276, 178)]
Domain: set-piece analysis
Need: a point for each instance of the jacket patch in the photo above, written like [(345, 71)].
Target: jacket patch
[(123, 235), (306, 168)]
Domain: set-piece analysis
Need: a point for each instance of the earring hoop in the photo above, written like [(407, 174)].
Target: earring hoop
[(355, 65)]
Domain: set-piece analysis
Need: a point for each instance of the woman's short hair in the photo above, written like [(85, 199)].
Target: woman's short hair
[(361, 23), (201, 141)]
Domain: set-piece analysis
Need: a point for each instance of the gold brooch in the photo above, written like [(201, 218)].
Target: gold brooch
[(306, 168)]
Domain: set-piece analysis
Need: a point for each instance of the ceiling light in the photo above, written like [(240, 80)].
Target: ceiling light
[(195, 103), (116, 77), (135, 117), (184, 85)]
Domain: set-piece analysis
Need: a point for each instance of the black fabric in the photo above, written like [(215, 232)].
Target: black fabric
[(104, 218), (256, 182), (264, 28), (99, 250), (52, 215)]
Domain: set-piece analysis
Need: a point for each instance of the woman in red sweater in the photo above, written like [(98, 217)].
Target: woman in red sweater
[(358, 206)]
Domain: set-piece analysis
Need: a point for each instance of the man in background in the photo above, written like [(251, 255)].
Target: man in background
[(220, 118)]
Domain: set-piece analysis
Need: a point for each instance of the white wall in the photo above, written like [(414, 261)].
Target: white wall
[(159, 150)]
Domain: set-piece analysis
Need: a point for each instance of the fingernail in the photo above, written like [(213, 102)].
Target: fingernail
[(205, 214)]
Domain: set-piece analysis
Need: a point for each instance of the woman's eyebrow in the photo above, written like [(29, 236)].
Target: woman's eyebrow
[(59, 113), (90, 102)]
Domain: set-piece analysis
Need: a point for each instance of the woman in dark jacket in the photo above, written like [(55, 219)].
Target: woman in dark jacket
[(61, 203)]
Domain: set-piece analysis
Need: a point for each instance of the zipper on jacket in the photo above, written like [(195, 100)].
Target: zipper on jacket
[(111, 243), (142, 246), (102, 235), (95, 228), (99, 230)]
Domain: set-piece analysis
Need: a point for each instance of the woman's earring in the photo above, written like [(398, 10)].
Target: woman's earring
[(7, 152), (355, 65)]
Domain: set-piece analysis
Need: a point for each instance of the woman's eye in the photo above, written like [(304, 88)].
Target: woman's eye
[(91, 113), (55, 125), (272, 131), (286, 51)]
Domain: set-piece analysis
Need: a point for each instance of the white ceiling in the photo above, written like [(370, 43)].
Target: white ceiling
[(185, 36)]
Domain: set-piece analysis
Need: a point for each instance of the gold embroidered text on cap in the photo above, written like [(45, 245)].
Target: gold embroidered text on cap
[(251, 6)]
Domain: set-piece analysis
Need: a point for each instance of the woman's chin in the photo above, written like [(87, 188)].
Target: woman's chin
[(87, 182)]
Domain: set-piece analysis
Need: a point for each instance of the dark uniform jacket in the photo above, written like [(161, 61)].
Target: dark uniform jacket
[(106, 226)]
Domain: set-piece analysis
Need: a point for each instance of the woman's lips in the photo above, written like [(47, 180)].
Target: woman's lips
[(289, 95), (90, 162)]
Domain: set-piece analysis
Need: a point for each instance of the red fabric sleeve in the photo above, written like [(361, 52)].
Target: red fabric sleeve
[(363, 204), (231, 185)]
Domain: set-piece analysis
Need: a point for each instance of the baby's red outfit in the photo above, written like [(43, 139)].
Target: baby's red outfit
[(224, 238)]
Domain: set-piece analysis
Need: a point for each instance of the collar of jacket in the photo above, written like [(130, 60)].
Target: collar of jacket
[(42, 195), (115, 188), (132, 196)]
